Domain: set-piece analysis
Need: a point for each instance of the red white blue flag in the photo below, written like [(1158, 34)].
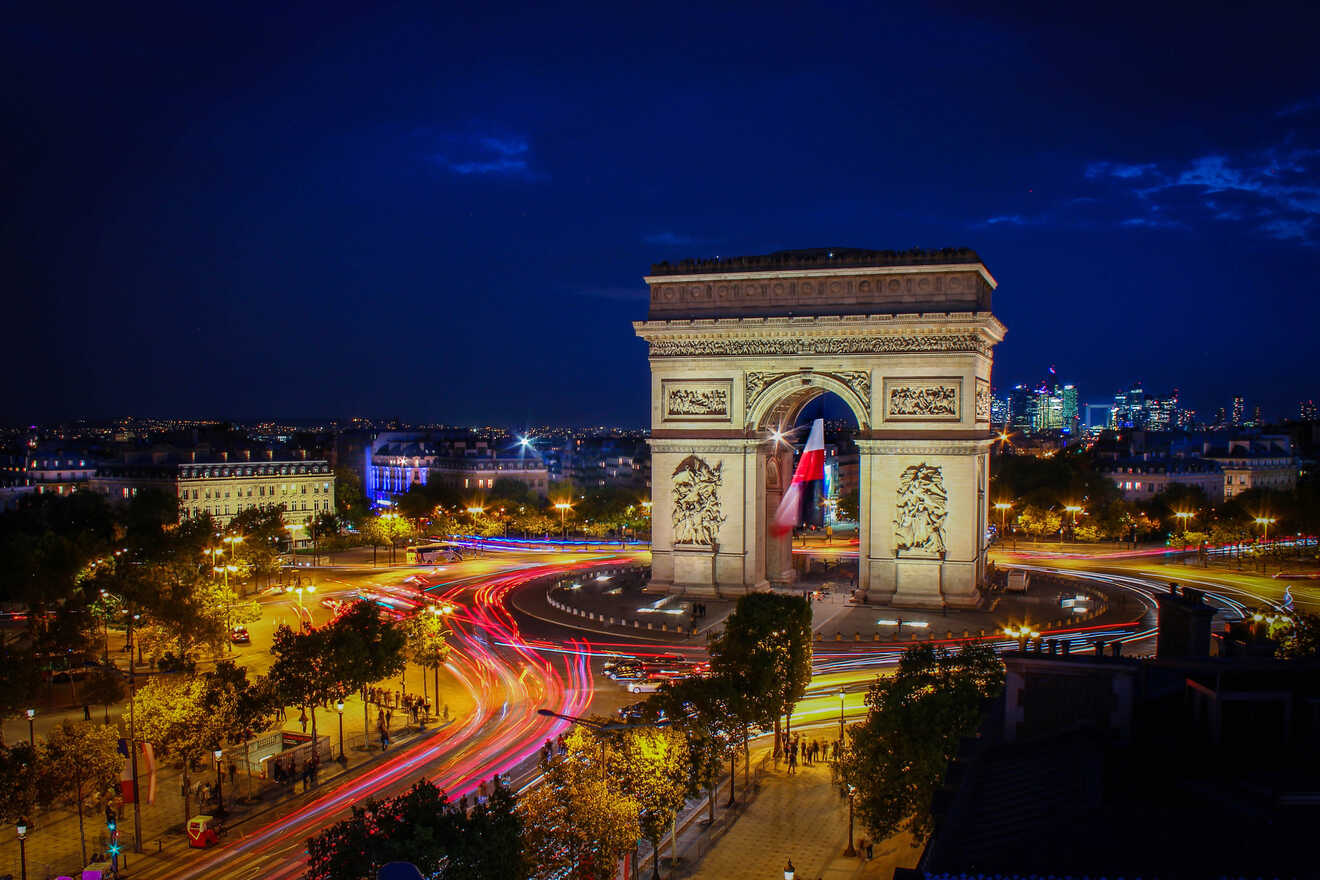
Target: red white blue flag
[(808, 477)]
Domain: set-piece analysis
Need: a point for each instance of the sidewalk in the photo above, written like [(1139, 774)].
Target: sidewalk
[(799, 817)]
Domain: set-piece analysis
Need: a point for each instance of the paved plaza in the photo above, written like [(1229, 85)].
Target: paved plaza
[(799, 817)]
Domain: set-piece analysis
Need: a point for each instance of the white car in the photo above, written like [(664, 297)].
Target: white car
[(643, 686)]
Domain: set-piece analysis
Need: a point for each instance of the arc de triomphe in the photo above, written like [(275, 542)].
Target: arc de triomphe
[(739, 346)]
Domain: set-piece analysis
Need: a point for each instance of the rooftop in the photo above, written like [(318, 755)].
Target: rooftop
[(819, 258)]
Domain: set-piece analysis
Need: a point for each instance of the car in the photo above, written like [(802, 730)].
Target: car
[(239, 636), (644, 686), (637, 712)]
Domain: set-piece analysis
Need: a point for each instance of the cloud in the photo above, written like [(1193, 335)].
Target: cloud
[(1274, 191), (1298, 107), (487, 155), (1098, 170)]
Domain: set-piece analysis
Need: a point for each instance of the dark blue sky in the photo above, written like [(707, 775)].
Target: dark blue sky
[(445, 212)]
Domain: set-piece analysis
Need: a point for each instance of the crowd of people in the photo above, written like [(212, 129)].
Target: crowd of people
[(811, 752)]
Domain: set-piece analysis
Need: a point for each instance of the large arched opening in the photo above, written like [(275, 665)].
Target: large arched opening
[(824, 548)]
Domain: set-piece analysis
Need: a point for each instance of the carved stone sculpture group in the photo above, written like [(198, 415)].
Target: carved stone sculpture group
[(698, 402), (923, 400), (697, 515), (921, 510)]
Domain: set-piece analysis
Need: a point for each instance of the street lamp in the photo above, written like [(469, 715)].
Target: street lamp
[(841, 693), (32, 737), (563, 507), (22, 847), (219, 782), (1265, 522), (339, 707), (1183, 516), (851, 851), (1072, 525), (1003, 507)]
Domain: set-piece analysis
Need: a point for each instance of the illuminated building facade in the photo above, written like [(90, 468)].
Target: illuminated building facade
[(395, 461)]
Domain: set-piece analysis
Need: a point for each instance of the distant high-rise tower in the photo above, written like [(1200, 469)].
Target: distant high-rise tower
[(1239, 410), (1306, 410)]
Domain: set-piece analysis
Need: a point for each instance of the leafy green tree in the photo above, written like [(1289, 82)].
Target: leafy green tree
[(46, 546), (350, 498), (20, 678), (1301, 641), (1039, 522), (577, 820), (426, 636), (189, 718), (651, 765), (897, 756), (849, 508), (104, 687), (18, 782), (766, 644), (424, 828), (79, 762), (263, 530), (705, 710)]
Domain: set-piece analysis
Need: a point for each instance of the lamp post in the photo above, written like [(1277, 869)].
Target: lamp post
[(22, 847), (851, 851), (1003, 507), (1183, 516), (563, 507), (339, 707), (32, 737), (1264, 522), (302, 609), (841, 693), (219, 782), (1072, 525)]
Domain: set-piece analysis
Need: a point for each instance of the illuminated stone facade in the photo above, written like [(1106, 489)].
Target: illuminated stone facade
[(738, 347)]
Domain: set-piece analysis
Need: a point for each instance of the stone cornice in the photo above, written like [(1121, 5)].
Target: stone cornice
[(833, 272), (923, 447), (977, 332)]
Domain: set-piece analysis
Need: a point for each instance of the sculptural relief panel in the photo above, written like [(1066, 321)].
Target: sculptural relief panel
[(697, 400), (925, 400), (982, 400), (697, 512), (921, 511)]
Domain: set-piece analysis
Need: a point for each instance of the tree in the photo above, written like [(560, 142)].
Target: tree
[(897, 756), (190, 718), (104, 687), (79, 762), (350, 500), (424, 828), (704, 709), (849, 508), (426, 637), (262, 530), (577, 820), (18, 782), (323, 525), (766, 644), (651, 764), (1039, 521), (1301, 640), (313, 668)]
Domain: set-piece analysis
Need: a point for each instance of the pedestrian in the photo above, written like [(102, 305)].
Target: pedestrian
[(870, 850), (792, 760), (302, 720), (389, 719), (861, 848), (446, 711), (233, 773), (87, 712)]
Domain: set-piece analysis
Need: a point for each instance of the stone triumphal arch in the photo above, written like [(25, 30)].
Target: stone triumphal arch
[(739, 346)]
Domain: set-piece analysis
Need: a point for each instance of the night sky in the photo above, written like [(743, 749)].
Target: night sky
[(444, 213)]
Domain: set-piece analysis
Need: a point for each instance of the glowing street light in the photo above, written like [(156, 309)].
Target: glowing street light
[(219, 782), (32, 736), (1265, 522), (1003, 507), (1074, 510), (563, 507), (22, 829), (475, 510), (339, 707)]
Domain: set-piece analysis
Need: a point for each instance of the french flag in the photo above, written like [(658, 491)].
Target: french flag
[(806, 479)]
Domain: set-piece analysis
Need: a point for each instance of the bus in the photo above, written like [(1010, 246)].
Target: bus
[(428, 554)]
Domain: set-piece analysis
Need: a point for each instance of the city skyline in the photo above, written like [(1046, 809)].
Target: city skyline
[(197, 226)]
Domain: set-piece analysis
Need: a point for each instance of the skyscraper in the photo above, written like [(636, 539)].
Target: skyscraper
[(1239, 410), (1021, 409)]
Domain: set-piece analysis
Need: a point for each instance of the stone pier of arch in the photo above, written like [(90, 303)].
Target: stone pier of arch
[(739, 347)]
